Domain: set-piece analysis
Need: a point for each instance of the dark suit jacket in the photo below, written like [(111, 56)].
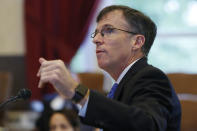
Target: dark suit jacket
[(144, 101)]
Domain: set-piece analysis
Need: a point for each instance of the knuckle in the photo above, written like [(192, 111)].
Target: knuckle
[(60, 62), (57, 72)]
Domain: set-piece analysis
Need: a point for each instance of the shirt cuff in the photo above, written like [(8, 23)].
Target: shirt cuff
[(82, 110)]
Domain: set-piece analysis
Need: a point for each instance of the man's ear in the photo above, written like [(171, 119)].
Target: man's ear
[(139, 42)]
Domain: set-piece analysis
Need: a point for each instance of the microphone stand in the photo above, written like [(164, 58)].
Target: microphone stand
[(11, 99)]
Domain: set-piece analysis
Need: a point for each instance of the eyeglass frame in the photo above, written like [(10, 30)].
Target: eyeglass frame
[(102, 34)]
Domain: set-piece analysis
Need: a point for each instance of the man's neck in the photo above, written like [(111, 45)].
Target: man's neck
[(116, 73)]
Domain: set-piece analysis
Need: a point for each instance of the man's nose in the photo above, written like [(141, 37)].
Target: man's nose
[(98, 39)]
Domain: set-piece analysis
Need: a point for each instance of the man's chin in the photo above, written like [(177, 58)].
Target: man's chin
[(103, 66)]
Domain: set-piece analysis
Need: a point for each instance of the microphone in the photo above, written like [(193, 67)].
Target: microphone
[(22, 94)]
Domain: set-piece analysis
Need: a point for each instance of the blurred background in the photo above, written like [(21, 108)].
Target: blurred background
[(60, 29)]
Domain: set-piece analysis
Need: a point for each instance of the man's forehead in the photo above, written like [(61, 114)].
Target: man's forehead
[(112, 14), (113, 18)]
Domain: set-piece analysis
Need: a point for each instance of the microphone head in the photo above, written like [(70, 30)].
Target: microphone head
[(24, 94)]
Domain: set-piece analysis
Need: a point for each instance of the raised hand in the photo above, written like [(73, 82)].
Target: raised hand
[(56, 73)]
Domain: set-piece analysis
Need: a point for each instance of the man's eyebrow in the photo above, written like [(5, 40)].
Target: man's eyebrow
[(104, 26), (107, 25)]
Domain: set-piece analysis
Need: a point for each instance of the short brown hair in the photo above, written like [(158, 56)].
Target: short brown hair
[(141, 23)]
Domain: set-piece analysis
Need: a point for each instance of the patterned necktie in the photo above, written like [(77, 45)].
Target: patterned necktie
[(112, 91)]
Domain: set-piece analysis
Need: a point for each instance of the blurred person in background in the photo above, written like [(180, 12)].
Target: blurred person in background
[(64, 120)]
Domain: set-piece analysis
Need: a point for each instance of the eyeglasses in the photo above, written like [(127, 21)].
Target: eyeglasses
[(109, 30)]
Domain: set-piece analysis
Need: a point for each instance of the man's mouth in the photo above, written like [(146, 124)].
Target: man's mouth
[(99, 51)]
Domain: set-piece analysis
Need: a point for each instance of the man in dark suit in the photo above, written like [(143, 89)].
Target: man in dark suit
[(142, 98)]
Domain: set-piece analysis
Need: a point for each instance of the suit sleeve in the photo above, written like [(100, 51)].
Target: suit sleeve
[(146, 106)]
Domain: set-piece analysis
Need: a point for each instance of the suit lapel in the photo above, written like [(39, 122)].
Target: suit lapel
[(140, 64)]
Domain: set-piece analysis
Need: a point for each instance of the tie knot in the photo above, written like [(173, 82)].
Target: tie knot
[(112, 91)]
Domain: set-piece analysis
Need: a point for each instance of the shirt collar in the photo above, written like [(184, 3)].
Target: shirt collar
[(125, 71)]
